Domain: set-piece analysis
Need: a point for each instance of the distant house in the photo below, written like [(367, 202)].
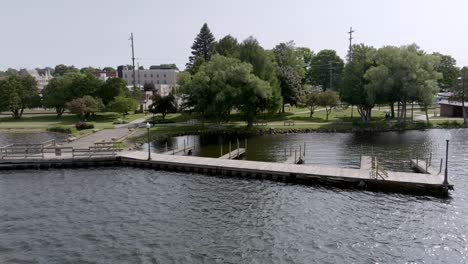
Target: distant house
[(104, 75), (451, 108), (42, 77)]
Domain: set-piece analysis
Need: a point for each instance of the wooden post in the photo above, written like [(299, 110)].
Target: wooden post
[(238, 149), (417, 162), (430, 158), (300, 151), (295, 153), (427, 163), (166, 146), (304, 149), (245, 145), (229, 149), (184, 146)]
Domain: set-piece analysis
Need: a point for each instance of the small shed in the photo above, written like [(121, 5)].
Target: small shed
[(452, 108)]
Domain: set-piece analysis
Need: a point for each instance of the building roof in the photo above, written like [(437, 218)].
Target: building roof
[(449, 102)]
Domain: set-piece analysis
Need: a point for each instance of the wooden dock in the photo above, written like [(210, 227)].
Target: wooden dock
[(423, 166), (235, 154), (367, 177), (298, 159), (394, 181), (185, 150)]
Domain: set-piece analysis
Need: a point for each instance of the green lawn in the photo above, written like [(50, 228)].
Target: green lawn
[(43, 121)]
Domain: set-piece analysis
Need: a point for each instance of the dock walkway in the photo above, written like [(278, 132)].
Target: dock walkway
[(235, 154)]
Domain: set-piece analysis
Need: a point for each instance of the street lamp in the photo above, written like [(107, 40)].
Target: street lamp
[(446, 162), (148, 126)]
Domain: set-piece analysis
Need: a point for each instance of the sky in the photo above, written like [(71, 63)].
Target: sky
[(96, 32)]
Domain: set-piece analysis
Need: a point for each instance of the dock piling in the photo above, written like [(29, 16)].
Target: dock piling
[(229, 149), (166, 147), (304, 149)]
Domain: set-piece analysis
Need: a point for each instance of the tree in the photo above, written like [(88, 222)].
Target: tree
[(202, 46), (57, 93), (84, 106), (224, 84), (89, 70), (311, 101), (122, 104), (290, 84), (450, 72), (307, 55), (112, 88), (353, 89), (227, 47), (329, 100), (61, 69), (196, 65), (290, 72), (326, 68), (18, 92), (163, 105), (109, 69)]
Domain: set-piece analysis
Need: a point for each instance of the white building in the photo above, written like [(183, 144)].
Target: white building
[(164, 79), (42, 79)]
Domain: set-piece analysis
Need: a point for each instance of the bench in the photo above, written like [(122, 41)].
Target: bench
[(260, 123), (193, 122), (289, 123)]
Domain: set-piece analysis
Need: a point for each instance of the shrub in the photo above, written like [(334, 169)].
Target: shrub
[(84, 125), (60, 129)]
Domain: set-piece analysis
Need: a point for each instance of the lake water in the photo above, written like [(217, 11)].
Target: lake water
[(125, 215)]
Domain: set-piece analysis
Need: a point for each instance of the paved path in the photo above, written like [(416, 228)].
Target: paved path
[(102, 135)]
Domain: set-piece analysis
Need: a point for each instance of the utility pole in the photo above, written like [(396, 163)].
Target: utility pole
[(351, 31), (133, 61)]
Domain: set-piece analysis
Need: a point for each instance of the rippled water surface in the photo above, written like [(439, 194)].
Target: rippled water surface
[(124, 215)]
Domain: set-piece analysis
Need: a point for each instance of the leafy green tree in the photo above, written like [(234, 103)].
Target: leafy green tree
[(196, 65), (122, 104), (329, 100), (290, 83), (57, 93), (89, 70), (307, 55), (18, 92), (202, 46), (163, 105), (353, 89), (61, 69), (450, 72), (290, 72), (110, 89), (404, 75), (326, 69), (227, 47), (84, 106), (224, 84), (311, 101), (109, 69)]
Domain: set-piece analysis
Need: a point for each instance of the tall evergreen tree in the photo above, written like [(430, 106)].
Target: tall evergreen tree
[(202, 46)]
